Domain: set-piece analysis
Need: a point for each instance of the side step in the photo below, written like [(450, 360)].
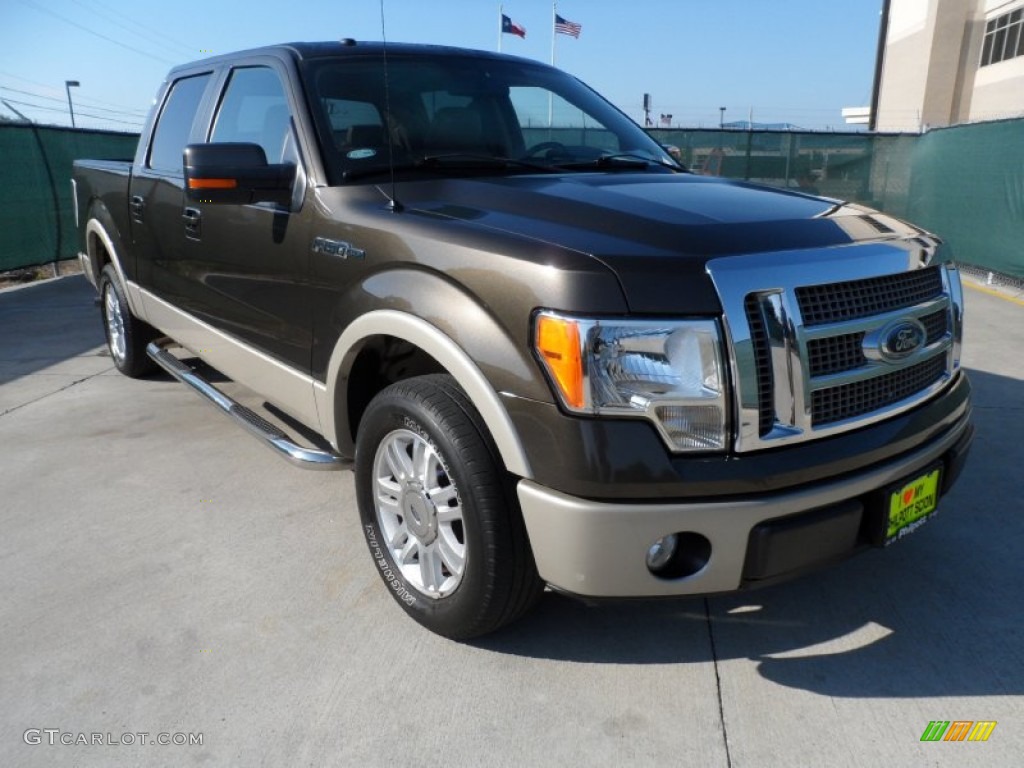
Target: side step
[(267, 433)]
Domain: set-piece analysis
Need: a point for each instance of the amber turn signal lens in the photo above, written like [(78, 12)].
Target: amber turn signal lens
[(558, 342), (212, 183)]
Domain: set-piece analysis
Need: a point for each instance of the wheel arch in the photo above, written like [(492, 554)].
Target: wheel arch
[(333, 397), (100, 244)]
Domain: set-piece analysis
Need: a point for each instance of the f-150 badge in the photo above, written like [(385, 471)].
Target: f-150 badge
[(337, 248)]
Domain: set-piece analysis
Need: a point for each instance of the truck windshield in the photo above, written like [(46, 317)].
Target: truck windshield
[(466, 112)]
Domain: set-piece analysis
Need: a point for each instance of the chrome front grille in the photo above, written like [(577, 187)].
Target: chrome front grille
[(838, 302), (859, 397), (812, 342), (836, 354), (936, 325), (759, 339)]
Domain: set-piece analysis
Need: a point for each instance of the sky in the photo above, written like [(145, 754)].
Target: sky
[(781, 61)]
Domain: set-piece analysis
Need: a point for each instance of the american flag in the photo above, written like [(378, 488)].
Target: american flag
[(564, 27)]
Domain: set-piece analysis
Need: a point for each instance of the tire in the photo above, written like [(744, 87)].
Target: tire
[(439, 511), (127, 336)]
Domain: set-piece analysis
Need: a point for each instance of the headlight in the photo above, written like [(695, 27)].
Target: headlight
[(668, 371), (956, 295)]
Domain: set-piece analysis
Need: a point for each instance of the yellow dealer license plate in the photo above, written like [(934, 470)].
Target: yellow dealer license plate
[(911, 505)]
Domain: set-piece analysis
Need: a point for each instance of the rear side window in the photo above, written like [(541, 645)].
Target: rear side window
[(254, 110), (354, 123), (175, 123)]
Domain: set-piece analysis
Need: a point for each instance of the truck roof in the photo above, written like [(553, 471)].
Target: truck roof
[(348, 47)]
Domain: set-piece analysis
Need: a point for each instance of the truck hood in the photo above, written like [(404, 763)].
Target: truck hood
[(656, 232)]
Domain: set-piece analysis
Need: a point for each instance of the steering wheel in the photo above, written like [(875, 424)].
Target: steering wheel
[(550, 146)]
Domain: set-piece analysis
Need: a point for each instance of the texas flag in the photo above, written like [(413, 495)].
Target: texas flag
[(509, 27)]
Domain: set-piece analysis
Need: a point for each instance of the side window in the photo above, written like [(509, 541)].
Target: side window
[(354, 123), (255, 110), (468, 123), (435, 101), (343, 114), (544, 116), (175, 123)]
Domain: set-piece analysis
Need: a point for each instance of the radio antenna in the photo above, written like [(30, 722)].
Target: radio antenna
[(393, 205)]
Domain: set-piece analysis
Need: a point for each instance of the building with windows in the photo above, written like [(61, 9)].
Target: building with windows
[(944, 62)]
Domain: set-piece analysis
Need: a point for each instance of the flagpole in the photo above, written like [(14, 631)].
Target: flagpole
[(501, 12), (554, 36)]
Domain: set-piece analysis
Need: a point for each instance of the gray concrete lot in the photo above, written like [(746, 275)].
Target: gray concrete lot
[(163, 573)]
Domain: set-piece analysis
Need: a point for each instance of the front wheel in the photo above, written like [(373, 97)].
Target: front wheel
[(442, 523)]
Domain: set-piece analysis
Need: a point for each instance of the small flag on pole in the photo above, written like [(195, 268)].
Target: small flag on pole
[(509, 27), (564, 27)]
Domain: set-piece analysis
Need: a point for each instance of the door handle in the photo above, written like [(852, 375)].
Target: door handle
[(193, 223), (137, 206)]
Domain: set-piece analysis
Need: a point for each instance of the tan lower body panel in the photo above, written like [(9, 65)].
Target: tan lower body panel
[(286, 388)]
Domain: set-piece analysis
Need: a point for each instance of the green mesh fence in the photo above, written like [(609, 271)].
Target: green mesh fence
[(37, 223), (968, 187), (865, 168), (873, 169), (965, 183)]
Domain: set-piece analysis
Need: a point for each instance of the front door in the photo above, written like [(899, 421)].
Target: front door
[(250, 269)]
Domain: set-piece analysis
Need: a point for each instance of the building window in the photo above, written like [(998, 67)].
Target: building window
[(1004, 38)]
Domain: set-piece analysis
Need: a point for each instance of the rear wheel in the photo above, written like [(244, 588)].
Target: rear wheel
[(127, 336), (440, 517)]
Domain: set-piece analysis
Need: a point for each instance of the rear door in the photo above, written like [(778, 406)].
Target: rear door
[(157, 198)]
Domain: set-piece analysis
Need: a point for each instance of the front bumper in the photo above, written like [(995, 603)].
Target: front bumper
[(598, 549)]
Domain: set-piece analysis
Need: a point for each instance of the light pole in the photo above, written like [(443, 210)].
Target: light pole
[(68, 85), (721, 118)]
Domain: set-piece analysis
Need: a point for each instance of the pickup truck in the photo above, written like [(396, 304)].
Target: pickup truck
[(551, 356)]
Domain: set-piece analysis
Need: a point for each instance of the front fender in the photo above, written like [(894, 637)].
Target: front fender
[(456, 332)]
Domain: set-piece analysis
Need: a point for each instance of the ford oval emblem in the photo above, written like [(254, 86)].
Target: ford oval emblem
[(901, 339)]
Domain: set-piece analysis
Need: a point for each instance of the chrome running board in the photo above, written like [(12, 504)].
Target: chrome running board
[(256, 425)]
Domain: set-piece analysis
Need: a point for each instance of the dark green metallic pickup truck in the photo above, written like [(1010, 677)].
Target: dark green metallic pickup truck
[(550, 354)]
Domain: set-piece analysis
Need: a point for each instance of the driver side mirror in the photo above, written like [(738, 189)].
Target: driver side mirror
[(235, 173)]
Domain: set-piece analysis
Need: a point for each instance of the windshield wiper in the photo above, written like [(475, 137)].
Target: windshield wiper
[(474, 159), (450, 160), (625, 161)]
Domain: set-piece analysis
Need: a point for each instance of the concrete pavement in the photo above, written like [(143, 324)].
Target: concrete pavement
[(163, 573)]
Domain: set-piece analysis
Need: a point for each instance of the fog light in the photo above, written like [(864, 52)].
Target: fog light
[(679, 555), (661, 552)]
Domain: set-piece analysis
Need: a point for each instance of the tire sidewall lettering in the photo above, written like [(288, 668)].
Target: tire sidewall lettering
[(382, 557), (394, 580)]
